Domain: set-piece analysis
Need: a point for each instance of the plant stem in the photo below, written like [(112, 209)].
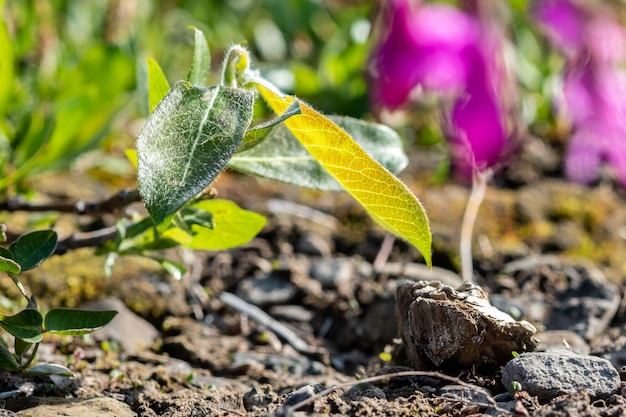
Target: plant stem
[(31, 357), (479, 185), (19, 286)]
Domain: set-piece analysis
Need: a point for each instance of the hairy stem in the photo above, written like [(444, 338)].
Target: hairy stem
[(479, 185)]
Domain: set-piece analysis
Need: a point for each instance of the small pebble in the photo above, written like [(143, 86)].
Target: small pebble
[(299, 395), (269, 290), (556, 372), (333, 273), (313, 244)]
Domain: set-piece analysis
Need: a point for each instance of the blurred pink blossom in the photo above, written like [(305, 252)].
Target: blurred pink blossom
[(438, 48), (594, 87)]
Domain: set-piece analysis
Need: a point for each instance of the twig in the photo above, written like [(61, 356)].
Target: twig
[(280, 329), (93, 239), (492, 403), (108, 205)]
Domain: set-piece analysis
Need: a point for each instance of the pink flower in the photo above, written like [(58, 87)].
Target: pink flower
[(438, 48), (424, 46), (594, 87)]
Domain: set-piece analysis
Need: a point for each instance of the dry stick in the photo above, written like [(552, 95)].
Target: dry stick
[(479, 185), (376, 378), (108, 205), (93, 239), (264, 319)]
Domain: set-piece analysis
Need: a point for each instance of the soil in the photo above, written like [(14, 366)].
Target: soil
[(313, 269)]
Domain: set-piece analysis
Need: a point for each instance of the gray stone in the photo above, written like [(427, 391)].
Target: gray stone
[(333, 273), (557, 372), (269, 290), (291, 313), (313, 244)]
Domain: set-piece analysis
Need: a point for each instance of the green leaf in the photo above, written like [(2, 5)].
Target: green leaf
[(7, 359), (9, 265), (75, 322), (25, 325), (186, 142), (281, 157), (387, 200), (234, 227), (157, 84), (48, 369), (201, 63), (6, 253), (31, 249), (7, 63), (21, 346), (175, 269), (254, 136)]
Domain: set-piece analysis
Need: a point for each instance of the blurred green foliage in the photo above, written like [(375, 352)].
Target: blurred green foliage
[(72, 72)]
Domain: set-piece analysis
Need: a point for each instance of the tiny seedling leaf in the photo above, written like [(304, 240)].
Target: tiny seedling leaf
[(186, 142), (31, 249), (157, 84), (234, 227), (387, 200), (48, 369), (281, 157), (25, 325), (201, 63), (74, 322), (9, 266)]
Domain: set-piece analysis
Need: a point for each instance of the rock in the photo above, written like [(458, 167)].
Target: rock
[(303, 393), (132, 332), (94, 407), (291, 313), (562, 339), (557, 372), (457, 328), (333, 273), (313, 244), (271, 289)]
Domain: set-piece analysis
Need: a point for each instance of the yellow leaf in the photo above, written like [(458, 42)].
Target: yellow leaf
[(387, 199)]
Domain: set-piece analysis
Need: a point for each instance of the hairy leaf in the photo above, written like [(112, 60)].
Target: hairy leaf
[(387, 200), (25, 325), (157, 84), (186, 142), (31, 249), (74, 322), (201, 63), (233, 226), (282, 157)]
